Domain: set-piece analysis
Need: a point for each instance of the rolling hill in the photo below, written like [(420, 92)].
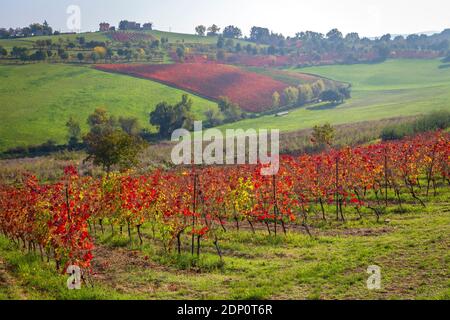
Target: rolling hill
[(36, 100), (390, 89), (29, 42), (252, 91), (172, 37)]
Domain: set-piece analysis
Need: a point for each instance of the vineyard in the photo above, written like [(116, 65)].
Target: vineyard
[(59, 221), (252, 91)]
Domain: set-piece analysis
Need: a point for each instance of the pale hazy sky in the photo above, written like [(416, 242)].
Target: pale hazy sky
[(368, 17)]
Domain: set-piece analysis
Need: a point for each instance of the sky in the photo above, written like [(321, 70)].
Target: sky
[(367, 17)]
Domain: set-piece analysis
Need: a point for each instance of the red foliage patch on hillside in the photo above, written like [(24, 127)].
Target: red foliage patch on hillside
[(252, 91)]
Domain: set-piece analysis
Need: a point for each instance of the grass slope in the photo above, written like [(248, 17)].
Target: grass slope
[(36, 100), (28, 42), (390, 89)]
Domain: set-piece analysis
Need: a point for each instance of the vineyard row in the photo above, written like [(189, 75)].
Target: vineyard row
[(203, 202)]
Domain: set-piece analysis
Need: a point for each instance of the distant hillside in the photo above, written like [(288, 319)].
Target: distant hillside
[(395, 88), (261, 49)]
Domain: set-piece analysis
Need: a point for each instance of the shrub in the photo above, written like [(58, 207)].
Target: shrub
[(396, 132), (446, 59), (438, 120)]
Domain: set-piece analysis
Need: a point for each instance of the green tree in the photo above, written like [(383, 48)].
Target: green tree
[(3, 52), (24, 56), (335, 35), (95, 57), (383, 51), (40, 44), (323, 136), (229, 44), (232, 32), (220, 42), (171, 117), (80, 56), (123, 25), (73, 132), (39, 56), (231, 111), (46, 28), (109, 53), (200, 30), (184, 117), (18, 52), (107, 145), (130, 125), (113, 148), (99, 118), (345, 92), (213, 30), (290, 95), (163, 117), (180, 53), (272, 50), (276, 100), (261, 35), (81, 41), (386, 38), (64, 56), (305, 94), (331, 96), (352, 38), (318, 87), (214, 117)]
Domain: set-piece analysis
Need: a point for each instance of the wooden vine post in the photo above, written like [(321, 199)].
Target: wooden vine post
[(337, 187)]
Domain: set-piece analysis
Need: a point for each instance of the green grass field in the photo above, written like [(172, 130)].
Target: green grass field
[(390, 89), (36, 100)]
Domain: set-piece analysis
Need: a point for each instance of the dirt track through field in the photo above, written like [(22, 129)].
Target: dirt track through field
[(8, 285)]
